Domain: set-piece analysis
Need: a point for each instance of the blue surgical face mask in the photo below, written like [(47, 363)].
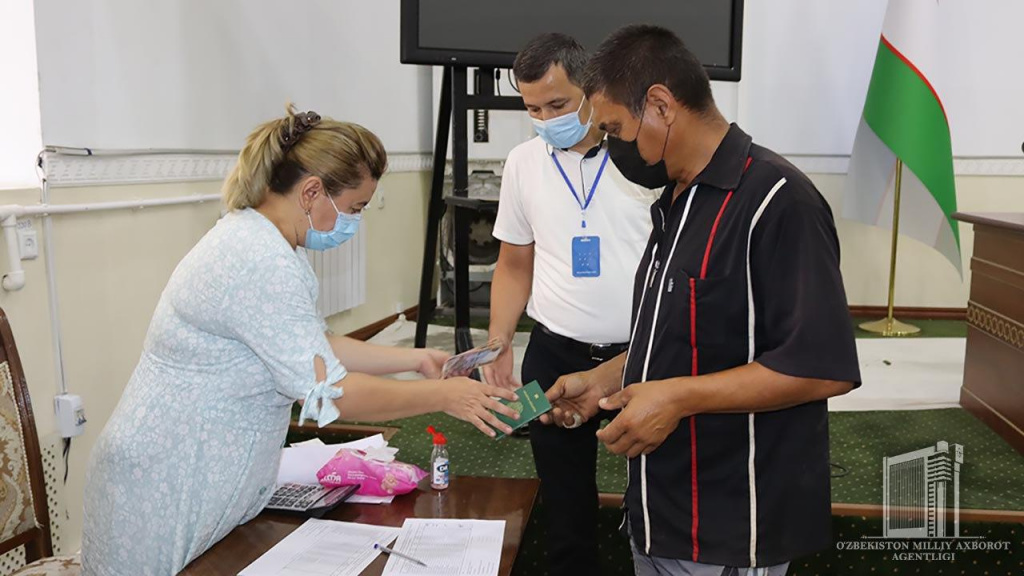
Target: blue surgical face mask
[(564, 131), (345, 227)]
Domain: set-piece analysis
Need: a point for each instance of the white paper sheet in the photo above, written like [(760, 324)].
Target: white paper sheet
[(310, 442), (300, 462), (323, 548), (448, 547)]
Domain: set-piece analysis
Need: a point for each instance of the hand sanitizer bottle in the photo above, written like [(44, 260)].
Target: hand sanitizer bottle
[(439, 478)]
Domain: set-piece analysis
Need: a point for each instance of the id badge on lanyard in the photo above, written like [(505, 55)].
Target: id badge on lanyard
[(586, 249), (586, 256)]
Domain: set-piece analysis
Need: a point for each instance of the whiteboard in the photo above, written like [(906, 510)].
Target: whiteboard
[(807, 63), (200, 74), (20, 139)]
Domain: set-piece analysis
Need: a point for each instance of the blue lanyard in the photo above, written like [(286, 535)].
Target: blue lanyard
[(593, 187)]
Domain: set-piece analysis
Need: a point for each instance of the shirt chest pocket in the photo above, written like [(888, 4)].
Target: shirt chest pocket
[(706, 313)]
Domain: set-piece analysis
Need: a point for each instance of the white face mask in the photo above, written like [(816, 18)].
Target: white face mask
[(565, 131), (345, 227)]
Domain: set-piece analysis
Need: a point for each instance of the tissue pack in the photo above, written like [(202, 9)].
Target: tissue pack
[(375, 478)]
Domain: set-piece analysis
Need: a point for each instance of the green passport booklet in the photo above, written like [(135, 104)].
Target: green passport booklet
[(531, 404)]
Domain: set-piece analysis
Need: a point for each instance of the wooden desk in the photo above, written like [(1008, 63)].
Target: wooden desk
[(993, 388), (505, 499)]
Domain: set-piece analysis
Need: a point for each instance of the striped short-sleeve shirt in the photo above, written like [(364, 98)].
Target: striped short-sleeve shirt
[(742, 266)]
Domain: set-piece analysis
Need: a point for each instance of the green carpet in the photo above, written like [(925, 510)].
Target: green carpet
[(990, 476)]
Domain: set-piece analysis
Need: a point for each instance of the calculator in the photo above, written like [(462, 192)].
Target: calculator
[(308, 499)]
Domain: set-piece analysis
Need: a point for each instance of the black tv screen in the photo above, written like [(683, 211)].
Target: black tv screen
[(488, 33)]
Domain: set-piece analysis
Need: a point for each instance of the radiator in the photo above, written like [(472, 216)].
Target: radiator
[(53, 474), (342, 275)]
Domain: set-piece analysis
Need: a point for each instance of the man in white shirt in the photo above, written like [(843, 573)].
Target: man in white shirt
[(573, 230)]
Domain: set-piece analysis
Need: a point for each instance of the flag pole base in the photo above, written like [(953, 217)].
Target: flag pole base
[(890, 327)]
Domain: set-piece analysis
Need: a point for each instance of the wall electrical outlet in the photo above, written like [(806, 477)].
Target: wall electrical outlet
[(70, 415), (28, 243)]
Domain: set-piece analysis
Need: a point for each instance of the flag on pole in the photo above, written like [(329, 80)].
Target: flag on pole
[(904, 118)]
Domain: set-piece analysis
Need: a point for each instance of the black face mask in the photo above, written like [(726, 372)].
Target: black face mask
[(627, 158)]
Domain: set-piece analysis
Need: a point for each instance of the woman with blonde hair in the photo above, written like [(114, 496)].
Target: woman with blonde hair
[(192, 449)]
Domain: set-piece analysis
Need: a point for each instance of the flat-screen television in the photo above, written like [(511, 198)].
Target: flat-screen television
[(488, 33)]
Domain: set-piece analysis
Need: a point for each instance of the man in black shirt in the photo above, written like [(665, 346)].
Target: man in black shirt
[(740, 332)]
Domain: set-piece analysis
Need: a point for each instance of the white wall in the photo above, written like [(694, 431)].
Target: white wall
[(806, 66), (214, 69), (194, 74), (923, 276), (20, 138)]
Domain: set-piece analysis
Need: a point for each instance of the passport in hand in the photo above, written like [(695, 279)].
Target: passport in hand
[(531, 404)]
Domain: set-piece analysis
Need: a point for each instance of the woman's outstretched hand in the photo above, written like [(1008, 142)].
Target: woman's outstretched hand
[(431, 362), (473, 402)]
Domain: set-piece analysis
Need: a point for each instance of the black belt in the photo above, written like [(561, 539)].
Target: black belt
[(598, 352)]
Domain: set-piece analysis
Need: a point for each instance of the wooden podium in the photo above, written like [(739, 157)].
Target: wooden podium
[(993, 388)]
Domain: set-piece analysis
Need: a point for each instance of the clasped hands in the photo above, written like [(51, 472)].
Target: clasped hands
[(649, 411)]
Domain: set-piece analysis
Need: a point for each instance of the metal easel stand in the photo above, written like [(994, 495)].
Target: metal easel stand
[(456, 102)]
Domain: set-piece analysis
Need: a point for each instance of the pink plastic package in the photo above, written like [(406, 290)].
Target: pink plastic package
[(375, 478)]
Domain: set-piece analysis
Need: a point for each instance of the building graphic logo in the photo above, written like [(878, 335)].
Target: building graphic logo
[(921, 511), (918, 489)]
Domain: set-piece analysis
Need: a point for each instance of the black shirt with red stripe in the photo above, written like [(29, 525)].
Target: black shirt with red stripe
[(742, 266)]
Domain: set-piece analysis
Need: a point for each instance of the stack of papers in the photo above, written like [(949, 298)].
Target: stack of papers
[(448, 547), (301, 461), (323, 548), (330, 548)]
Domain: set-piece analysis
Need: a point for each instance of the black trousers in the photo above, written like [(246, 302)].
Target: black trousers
[(566, 462)]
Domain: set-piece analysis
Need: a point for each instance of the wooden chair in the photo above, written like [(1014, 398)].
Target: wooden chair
[(24, 514)]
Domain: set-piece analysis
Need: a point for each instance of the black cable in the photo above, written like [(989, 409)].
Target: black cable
[(842, 470), (514, 85), (67, 454), (445, 266), (41, 168), (450, 283), (497, 80)]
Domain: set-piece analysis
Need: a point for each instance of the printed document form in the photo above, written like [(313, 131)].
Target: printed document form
[(448, 547), (323, 548)]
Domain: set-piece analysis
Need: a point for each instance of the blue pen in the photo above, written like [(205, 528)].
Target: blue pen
[(391, 552)]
